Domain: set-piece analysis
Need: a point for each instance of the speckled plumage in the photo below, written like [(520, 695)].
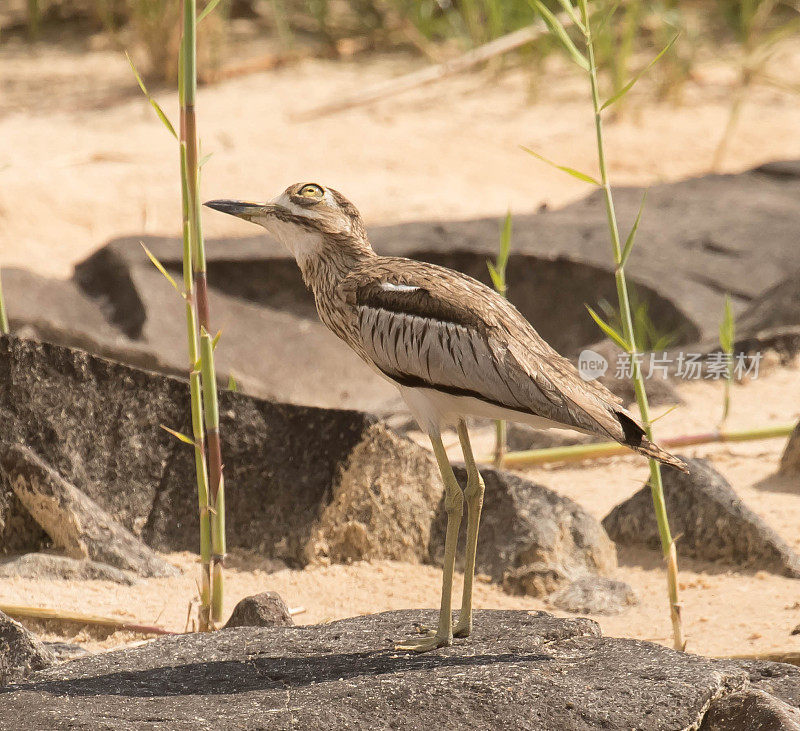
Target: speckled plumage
[(440, 333)]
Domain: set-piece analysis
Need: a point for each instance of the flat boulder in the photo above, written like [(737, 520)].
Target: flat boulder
[(530, 669), (532, 540), (712, 521), (75, 522), (20, 651), (52, 566)]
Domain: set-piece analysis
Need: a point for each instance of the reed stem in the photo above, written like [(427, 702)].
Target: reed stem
[(581, 452), (4, 329), (656, 486), (215, 492)]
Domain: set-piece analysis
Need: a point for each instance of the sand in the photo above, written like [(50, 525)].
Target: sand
[(84, 159)]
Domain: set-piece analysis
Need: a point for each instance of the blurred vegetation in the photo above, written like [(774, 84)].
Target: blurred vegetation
[(627, 30)]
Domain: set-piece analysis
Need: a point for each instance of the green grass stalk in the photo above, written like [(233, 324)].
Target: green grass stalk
[(656, 485), (497, 271), (188, 73), (4, 329), (727, 339), (599, 450)]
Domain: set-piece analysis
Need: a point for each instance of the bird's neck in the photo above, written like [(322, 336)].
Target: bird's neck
[(323, 269)]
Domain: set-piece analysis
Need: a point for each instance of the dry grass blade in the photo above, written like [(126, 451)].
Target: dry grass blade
[(178, 435), (13, 610), (158, 265)]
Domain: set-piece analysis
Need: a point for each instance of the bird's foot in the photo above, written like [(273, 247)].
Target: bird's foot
[(425, 644), (463, 629)]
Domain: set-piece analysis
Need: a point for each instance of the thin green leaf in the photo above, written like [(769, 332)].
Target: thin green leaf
[(573, 15), (570, 171), (178, 435), (727, 328), (208, 9), (505, 244), (558, 30), (661, 416), (597, 28), (625, 89), (159, 111), (203, 160), (608, 330), (216, 339), (158, 265), (497, 279), (232, 385), (626, 251)]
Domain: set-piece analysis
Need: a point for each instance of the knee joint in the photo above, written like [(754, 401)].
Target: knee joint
[(454, 503), (475, 487)]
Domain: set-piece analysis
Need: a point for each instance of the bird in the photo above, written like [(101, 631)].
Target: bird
[(452, 346)]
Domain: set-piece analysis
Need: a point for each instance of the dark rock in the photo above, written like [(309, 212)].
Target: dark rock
[(303, 483), (51, 566), (779, 679), (711, 520), (521, 437), (595, 595), (75, 522), (93, 422), (20, 651), (532, 540), (528, 670), (753, 710), (66, 650), (790, 459), (261, 610)]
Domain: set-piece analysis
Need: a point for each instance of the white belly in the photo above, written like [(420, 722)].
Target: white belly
[(434, 409)]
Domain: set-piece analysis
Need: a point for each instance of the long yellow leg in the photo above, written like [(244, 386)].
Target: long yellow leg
[(454, 505), (474, 496)]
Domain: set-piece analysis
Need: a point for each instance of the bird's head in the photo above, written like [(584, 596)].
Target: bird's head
[(306, 218)]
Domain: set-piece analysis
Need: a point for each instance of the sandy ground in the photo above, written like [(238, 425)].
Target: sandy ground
[(725, 612), (83, 159)]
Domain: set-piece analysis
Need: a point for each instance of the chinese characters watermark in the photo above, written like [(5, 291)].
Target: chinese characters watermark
[(687, 366)]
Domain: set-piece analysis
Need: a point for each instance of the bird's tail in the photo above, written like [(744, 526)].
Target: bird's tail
[(636, 438)]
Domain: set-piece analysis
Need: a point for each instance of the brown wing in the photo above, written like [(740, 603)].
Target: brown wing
[(424, 325)]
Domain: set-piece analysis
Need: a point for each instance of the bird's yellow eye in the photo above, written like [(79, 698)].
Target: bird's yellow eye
[(311, 191)]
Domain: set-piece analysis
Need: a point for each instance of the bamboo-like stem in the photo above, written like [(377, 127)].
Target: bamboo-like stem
[(61, 615), (217, 496), (4, 329), (581, 452), (656, 486), (499, 456), (201, 471), (216, 493)]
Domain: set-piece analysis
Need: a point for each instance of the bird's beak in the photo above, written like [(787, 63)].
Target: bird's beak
[(242, 209)]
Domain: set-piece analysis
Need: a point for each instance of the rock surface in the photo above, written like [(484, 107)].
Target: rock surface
[(753, 710), (595, 595), (20, 651), (75, 522), (532, 540), (790, 459), (51, 566), (529, 669), (711, 520), (261, 610), (303, 483)]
